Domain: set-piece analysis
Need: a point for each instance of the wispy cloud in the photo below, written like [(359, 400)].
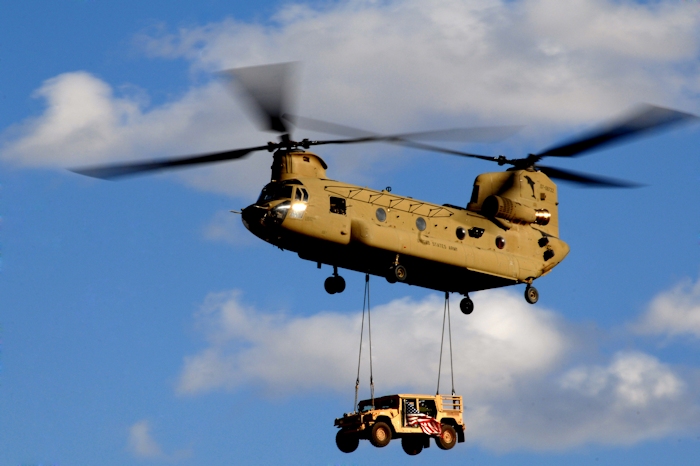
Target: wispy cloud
[(514, 363), (227, 227), (141, 443), (673, 313)]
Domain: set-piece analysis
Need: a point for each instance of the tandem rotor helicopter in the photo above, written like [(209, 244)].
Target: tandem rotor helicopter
[(507, 234)]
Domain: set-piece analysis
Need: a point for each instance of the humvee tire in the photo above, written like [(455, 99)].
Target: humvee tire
[(447, 438), (380, 434), (412, 444), (347, 443)]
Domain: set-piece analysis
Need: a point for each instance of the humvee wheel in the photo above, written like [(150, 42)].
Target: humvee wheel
[(347, 443), (339, 284), (390, 275), (412, 445), (401, 273), (466, 305), (380, 435), (447, 438), (531, 294)]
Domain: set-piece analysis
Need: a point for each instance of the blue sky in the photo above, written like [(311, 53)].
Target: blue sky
[(140, 323)]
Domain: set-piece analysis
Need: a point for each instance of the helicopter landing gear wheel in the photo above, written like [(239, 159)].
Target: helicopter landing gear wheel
[(531, 294), (466, 305), (390, 275), (400, 273), (329, 285), (334, 284)]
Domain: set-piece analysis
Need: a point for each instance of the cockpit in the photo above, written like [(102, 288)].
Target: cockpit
[(283, 191), (273, 192), (282, 198)]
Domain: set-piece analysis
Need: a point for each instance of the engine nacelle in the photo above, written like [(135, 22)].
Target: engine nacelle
[(502, 207)]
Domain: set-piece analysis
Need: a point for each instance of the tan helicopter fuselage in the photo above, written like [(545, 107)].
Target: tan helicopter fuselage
[(507, 234)]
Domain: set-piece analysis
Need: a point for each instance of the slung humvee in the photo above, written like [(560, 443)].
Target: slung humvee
[(399, 417)]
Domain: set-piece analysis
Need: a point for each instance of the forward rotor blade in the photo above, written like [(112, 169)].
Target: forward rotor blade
[(475, 134), (327, 127), (646, 118), (586, 179), (268, 90), (107, 172)]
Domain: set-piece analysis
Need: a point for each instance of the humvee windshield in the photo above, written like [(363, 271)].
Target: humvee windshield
[(385, 402), (274, 191)]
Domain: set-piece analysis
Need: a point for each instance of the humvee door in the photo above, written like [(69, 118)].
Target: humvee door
[(404, 415)]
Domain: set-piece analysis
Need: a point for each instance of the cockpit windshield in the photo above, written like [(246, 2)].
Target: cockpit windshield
[(274, 191)]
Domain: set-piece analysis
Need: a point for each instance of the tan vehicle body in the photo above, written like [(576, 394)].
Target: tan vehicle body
[(446, 409), (507, 234)]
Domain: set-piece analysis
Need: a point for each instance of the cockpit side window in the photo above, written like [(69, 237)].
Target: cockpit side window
[(338, 205), (297, 194)]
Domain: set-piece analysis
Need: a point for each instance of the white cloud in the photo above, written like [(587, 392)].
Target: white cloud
[(227, 227), (510, 363), (85, 123), (141, 443), (636, 379), (388, 66), (673, 313), (408, 61), (633, 398), (503, 340)]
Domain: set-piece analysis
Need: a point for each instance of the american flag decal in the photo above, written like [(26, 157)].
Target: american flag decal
[(428, 425)]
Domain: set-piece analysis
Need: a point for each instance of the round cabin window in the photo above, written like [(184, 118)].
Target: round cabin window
[(381, 214), (500, 242), (420, 223), (461, 233)]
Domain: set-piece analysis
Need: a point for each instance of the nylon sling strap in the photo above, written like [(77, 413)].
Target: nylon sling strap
[(446, 316), (365, 305)]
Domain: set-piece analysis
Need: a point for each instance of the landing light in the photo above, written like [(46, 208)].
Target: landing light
[(298, 209)]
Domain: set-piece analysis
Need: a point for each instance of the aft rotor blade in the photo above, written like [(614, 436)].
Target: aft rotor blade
[(268, 90), (108, 172), (406, 143), (646, 118), (473, 134), (586, 179)]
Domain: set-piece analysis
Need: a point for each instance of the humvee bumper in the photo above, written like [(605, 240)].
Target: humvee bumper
[(349, 422)]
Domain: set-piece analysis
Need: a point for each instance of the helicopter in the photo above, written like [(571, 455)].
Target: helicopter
[(507, 234)]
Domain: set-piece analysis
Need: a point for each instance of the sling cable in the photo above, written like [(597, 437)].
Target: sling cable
[(365, 304)]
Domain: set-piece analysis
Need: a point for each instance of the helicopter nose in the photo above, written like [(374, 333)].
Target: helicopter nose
[(252, 217)]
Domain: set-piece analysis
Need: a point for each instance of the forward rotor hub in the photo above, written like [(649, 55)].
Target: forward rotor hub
[(288, 144)]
